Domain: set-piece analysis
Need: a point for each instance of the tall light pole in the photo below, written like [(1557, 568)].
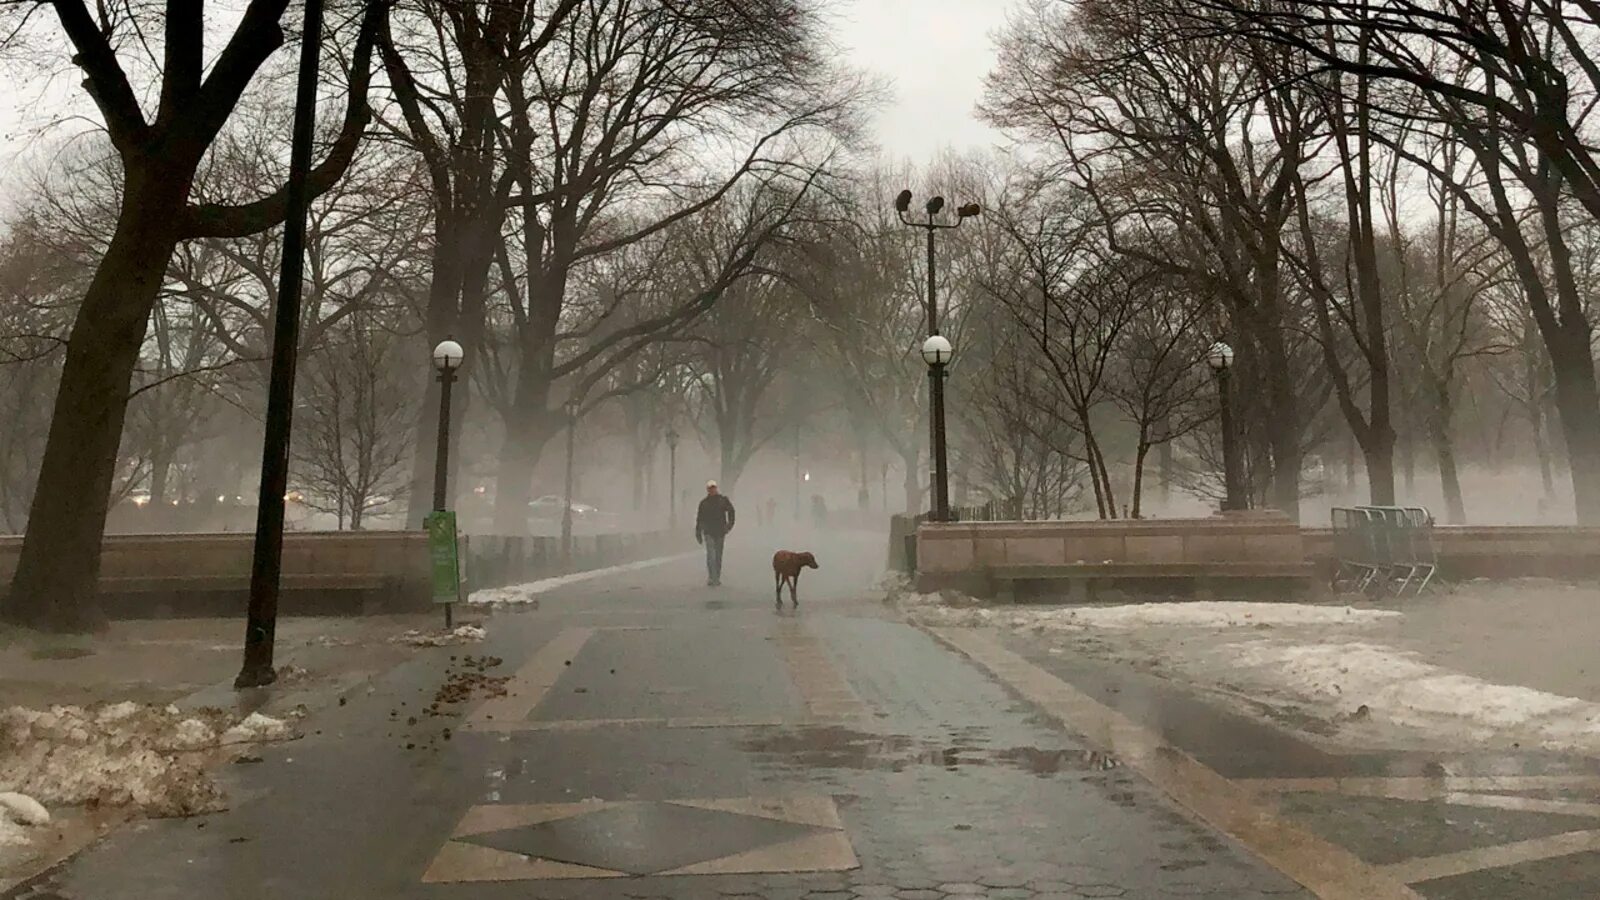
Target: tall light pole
[(447, 358), (672, 476), (1220, 359), (570, 408), (902, 205), (937, 352), (261, 619)]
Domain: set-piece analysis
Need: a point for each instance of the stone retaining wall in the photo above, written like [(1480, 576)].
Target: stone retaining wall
[(324, 573), (961, 555)]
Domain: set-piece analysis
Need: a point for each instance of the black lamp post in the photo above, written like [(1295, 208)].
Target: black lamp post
[(937, 352), (261, 618), (1220, 359), (902, 205), (672, 476), (571, 410), (447, 359)]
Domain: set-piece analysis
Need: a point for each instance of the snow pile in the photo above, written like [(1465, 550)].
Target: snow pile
[(463, 634), (519, 594), (1400, 689), (893, 584), (23, 810), (1219, 614), (945, 611), (13, 837), (20, 815), (256, 728), (124, 754)]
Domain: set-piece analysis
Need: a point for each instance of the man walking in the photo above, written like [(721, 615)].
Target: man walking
[(712, 522)]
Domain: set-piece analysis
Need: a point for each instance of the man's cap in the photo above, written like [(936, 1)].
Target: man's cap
[(710, 485)]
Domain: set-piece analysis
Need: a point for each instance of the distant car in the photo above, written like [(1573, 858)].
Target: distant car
[(549, 507)]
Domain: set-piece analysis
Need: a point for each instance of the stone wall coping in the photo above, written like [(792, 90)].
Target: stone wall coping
[(1102, 528), (234, 537)]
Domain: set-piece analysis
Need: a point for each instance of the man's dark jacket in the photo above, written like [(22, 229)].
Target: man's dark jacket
[(715, 516)]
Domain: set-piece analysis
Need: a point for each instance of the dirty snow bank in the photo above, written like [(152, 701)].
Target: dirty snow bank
[(516, 594), (934, 609), (1397, 688), (18, 814), (463, 634), (126, 754)]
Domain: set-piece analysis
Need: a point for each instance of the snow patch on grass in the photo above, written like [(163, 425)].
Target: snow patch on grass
[(945, 611), (1401, 689), (516, 594), (462, 634)]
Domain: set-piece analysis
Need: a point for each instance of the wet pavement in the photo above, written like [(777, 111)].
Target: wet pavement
[(643, 735), (1452, 826)]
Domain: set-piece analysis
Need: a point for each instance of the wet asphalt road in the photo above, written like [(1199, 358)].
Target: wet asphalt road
[(652, 725)]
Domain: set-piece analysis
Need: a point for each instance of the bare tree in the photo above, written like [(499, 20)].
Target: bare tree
[(448, 63), (57, 572), (353, 448), (743, 343), (1190, 166), (1159, 380), (1514, 83), (609, 131)]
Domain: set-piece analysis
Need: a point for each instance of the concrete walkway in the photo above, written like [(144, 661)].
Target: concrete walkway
[(656, 738), (642, 735)]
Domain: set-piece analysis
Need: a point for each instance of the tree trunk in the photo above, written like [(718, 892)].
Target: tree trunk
[(1408, 461), (442, 320), (732, 465), (1449, 479), (913, 484), (864, 494), (160, 472), (1541, 446), (1164, 465), (57, 574), (1138, 476), (1579, 404), (639, 465), (526, 436), (1349, 464), (1378, 453)]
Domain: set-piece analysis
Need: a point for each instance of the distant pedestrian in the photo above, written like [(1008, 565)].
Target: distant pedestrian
[(772, 511), (712, 522), (819, 511)]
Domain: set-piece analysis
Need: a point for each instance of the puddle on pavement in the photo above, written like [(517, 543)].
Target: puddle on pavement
[(843, 748)]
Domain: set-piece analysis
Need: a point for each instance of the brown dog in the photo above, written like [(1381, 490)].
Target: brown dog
[(786, 566)]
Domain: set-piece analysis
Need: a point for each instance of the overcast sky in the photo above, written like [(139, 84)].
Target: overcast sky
[(936, 54)]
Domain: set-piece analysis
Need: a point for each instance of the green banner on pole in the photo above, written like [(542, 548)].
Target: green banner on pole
[(441, 525)]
